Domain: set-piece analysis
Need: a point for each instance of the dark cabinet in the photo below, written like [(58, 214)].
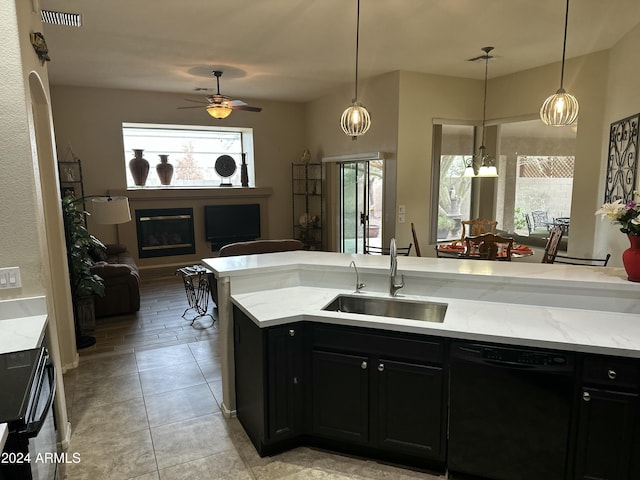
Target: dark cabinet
[(379, 390), (607, 446), (410, 409), (340, 396), (268, 375)]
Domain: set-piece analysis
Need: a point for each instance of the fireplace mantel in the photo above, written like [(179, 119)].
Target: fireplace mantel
[(221, 193)]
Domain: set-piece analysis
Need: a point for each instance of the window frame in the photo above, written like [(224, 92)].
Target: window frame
[(246, 141)]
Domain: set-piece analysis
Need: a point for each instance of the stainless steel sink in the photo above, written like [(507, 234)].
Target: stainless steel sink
[(389, 307)]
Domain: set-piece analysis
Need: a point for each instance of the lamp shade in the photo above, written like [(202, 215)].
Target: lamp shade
[(219, 110), (110, 210)]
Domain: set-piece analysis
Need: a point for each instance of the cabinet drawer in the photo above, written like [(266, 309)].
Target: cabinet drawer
[(611, 372), (391, 344)]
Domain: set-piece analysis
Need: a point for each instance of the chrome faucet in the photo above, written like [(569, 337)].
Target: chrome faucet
[(359, 285), (394, 286)]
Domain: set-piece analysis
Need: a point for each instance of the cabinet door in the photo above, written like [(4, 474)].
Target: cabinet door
[(410, 402), (340, 396), (605, 434), (284, 381)]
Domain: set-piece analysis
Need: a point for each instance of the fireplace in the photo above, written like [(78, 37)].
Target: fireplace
[(164, 232)]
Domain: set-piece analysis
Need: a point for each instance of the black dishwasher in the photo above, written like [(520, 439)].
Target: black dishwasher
[(510, 412)]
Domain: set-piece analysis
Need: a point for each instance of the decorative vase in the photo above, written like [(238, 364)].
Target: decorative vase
[(139, 168), (244, 174), (165, 170), (631, 259)]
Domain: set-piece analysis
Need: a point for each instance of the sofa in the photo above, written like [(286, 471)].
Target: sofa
[(121, 281)]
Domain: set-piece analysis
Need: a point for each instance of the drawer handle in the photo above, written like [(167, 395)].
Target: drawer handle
[(612, 374), (292, 332), (586, 396), (363, 365), (381, 367)]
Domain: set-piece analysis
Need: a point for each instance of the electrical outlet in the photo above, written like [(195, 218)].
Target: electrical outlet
[(10, 277)]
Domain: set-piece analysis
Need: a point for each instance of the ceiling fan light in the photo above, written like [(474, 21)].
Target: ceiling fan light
[(560, 109), (219, 111), (355, 120)]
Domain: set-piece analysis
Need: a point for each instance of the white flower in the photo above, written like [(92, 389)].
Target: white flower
[(611, 210)]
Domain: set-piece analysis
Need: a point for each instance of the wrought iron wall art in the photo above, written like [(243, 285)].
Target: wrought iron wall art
[(622, 164)]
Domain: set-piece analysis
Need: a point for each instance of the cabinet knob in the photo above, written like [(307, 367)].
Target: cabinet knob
[(363, 365), (586, 396), (292, 332), (381, 367), (612, 374)]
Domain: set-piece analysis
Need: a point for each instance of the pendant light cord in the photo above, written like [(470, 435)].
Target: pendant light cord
[(484, 106), (357, 46), (564, 45)]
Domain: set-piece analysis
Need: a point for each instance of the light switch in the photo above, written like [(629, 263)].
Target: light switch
[(10, 277), (402, 209)]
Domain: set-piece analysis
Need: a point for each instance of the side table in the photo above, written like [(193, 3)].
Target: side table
[(196, 286)]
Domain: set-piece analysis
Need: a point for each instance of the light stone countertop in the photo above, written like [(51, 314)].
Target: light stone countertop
[(526, 325), (22, 323), (565, 307)]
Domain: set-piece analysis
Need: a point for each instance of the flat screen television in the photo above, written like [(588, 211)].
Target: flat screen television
[(231, 223)]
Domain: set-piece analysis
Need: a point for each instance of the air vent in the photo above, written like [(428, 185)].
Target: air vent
[(61, 18)]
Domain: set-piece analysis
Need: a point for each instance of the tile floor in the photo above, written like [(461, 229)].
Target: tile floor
[(144, 405)]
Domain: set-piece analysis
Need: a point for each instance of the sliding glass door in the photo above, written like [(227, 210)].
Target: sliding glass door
[(360, 205)]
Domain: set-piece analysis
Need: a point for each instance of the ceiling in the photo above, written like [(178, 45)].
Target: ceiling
[(299, 50)]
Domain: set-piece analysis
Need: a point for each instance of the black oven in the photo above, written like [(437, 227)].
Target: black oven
[(27, 386)]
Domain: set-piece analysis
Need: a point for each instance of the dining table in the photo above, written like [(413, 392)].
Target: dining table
[(458, 250)]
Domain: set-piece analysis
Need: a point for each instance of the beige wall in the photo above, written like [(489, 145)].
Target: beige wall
[(90, 120), (622, 100), (30, 220)]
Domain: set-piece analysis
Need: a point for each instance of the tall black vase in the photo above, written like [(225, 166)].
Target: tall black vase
[(244, 174)]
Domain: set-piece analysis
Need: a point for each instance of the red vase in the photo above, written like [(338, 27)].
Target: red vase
[(631, 259)]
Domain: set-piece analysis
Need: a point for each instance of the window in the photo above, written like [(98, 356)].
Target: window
[(454, 191), (538, 162), (192, 150)]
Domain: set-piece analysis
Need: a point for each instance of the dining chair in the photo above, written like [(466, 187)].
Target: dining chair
[(488, 246), (415, 240), (592, 262), (477, 226), (540, 219), (371, 250), (553, 242)]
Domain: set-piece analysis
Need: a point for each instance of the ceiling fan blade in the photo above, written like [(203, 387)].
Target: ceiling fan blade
[(195, 106), (475, 58), (246, 108)]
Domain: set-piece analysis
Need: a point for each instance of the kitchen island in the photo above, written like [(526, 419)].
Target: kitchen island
[(586, 318)]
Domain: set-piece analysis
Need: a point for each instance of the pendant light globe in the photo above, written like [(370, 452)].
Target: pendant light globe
[(355, 120), (560, 109)]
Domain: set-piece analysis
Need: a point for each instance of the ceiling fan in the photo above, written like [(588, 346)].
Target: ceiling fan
[(221, 106)]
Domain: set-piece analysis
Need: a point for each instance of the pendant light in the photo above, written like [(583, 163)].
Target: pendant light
[(355, 120), (560, 109), (487, 162)]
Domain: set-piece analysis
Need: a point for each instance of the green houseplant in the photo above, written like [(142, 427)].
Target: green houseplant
[(81, 248)]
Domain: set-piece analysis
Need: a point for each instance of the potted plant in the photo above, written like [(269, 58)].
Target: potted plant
[(84, 285)]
